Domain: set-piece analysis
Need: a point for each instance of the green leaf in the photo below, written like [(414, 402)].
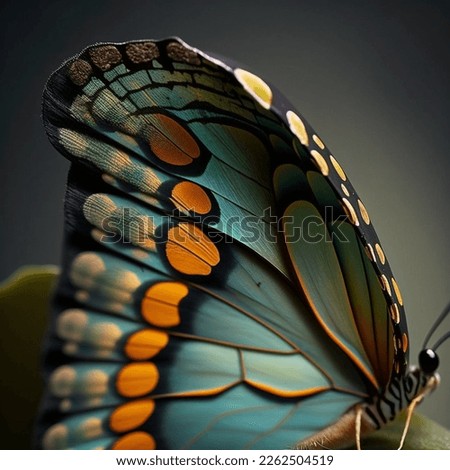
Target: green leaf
[(24, 306)]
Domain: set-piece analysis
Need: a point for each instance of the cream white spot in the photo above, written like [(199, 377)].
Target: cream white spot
[(55, 437), (395, 313), (380, 253), (398, 294), (320, 162), (370, 253), (95, 383), (105, 336), (363, 212), (297, 127), (90, 429), (254, 85), (70, 348), (71, 324), (345, 190), (86, 267), (385, 284), (318, 141), (65, 405), (62, 381), (350, 211), (338, 168)]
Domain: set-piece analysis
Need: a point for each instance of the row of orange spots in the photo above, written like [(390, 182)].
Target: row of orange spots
[(160, 307), (190, 251)]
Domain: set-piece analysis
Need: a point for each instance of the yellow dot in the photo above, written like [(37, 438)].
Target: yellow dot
[(338, 168), (380, 253), (370, 253), (398, 294), (350, 211), (138, 440), (363, 211), (137, 379), (320, 162), (404, 342), (257, 87), (131, 415), (395, 313), (385, 284), (297, 127), (345, 190), (318, 141), (394, 343)]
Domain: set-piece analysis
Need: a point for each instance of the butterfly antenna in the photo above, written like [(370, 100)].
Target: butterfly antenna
[(441, 340), (437, 322)]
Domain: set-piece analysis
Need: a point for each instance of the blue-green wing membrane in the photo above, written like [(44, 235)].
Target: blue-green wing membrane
[(184, 317)]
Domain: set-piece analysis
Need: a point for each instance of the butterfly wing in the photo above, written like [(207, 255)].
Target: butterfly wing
[(186, 315)]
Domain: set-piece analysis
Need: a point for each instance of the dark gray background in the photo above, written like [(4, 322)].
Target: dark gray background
[(372, 77)]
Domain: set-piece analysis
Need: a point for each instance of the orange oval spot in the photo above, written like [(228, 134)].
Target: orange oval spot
[(131, 415), (171, 142), (189, 197), (318, 141), (404, 342), (137, 379), (397, 291), (138, 440), (190, 251), (385, 284), (363, 211), (370, 253), (395, 313), (350, 211), (320, 162), (380, 253), (145, 344), (160, 305), (297, 127), (338, 168)]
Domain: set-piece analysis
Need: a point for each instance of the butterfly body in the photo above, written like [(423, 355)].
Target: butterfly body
[(223, 286)]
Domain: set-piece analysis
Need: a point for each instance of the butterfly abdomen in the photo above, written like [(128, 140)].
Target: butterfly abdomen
[(400, 392)]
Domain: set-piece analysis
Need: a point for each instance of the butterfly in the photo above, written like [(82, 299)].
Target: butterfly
[(222, 286)]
